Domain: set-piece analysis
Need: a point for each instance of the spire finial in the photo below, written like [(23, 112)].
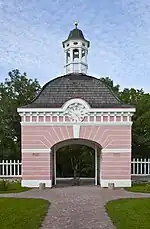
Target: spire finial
[(76, 24)]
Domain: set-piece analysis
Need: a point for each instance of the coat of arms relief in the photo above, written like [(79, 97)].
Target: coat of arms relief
[(76, 112)]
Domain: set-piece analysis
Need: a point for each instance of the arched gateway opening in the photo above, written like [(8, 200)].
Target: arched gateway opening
[(76, 162)]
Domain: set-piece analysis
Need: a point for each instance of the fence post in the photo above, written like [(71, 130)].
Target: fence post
[(137, 168), (148, 166), (141, 165), (133, 166), (14, 168), (18, 164), (6, 167), (10, 167), (145, 166), (3, 168)]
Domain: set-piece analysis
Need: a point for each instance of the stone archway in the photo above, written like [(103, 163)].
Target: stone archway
[(91, 144)]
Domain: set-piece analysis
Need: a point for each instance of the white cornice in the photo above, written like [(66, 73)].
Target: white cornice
[(116, 150), (36, 150), (72, 123), (24, 110)]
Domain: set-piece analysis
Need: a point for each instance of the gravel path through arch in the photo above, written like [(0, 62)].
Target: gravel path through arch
[(80, 207)]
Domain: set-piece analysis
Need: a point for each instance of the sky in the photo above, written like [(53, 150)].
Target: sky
[(32, 31)]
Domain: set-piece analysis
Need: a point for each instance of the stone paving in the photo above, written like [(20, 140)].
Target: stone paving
[(80, 207)]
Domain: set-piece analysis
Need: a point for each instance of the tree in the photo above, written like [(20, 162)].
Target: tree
[(140, 132), (16, 91), (76, 161), (109, 82)]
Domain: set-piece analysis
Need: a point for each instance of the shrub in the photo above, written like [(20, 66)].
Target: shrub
[(3, 185)]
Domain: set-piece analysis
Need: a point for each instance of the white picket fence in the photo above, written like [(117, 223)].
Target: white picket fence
[(10, 168), (139, 167)]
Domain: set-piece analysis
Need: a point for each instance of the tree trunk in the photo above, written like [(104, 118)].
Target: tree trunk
[(76, 178)]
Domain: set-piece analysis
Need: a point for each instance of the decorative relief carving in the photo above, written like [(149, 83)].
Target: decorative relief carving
[(76, 112), (35, 154)]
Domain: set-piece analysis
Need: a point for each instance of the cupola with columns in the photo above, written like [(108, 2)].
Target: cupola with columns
[(76, 50)]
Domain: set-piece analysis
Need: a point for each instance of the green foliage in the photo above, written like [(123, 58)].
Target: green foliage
[(7, 186), (22, 213), (16, 91), (129, 213), (3, 185), (145, 188), (75, 160), (109, 82), (141, 118)]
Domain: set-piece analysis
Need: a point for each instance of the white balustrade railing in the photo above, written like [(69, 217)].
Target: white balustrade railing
[(12, 168)]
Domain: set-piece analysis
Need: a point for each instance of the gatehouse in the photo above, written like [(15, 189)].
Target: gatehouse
[(76, 108)]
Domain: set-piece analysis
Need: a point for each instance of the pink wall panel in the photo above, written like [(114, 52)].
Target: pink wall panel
[(41, 118), (118, 118), (125, 118), (54, 118), (105, 118), (67, 119), (91, 118), (34, 118), (98, 118), (48, 118), (113, 167), (108, 136), (27, 118), (36, 164), (46, 136), (111, 118), (36, 177), (60, 118)]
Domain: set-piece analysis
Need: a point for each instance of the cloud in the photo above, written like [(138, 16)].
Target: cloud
[(31, 33)]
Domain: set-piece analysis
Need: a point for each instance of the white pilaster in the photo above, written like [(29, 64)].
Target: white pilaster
[(76, 130), (95, 165), (54, 165)]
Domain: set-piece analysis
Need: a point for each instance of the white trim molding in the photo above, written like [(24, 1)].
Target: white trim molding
[(36, 150), (107, 110), (117, 183), (76, 111), (35, 183), (116, 150), (71, 123)]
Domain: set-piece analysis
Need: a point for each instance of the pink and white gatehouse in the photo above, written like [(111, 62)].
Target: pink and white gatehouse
[(76, 108)]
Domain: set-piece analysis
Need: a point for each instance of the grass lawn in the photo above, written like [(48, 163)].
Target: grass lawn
[(139, 188), (22, 213), (11, 187), (130, 213)]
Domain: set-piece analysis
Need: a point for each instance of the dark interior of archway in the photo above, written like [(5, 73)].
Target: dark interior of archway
[(75, 160)]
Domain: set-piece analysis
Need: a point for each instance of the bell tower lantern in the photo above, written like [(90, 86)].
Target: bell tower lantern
[(76, 50)]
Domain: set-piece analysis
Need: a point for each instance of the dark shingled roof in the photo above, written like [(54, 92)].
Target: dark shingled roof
[(76, 34), (61, 89)]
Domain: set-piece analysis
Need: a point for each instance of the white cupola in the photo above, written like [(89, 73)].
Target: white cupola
[(76, 50)]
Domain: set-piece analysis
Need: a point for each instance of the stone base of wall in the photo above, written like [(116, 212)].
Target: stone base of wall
[(35, 183), (117, 183)]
